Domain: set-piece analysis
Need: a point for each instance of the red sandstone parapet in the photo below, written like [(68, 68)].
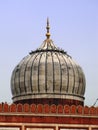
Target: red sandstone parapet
[(48, 109)]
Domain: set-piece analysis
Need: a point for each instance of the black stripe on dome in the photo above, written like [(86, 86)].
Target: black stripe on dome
[(82, 79), (19, 72), (84, 83), (53, 72), (78, 81), (19, 80), (73, 75), (38, 72), (67, 72), (78, 77), (14, 85), (25, 80), (46, 73), (25, 73), (60, 71), (31, 71)]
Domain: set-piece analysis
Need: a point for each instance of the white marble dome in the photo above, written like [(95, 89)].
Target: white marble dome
[(49, 73)]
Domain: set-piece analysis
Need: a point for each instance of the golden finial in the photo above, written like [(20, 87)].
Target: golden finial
[(48, 27)]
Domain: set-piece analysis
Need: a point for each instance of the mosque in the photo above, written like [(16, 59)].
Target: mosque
[(48, 89)]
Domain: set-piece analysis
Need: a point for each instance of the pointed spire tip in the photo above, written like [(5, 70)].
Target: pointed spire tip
[(48, 27)]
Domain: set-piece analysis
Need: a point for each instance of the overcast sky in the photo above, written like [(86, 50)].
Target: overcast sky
[(74, 28)]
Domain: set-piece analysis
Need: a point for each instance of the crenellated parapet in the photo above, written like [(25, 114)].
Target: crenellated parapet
[(48, 109)]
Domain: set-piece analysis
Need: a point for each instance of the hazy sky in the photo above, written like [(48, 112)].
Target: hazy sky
[(74, 28)]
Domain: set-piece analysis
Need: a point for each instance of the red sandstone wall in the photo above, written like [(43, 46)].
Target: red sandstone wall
[(59, 109), (53, 114)]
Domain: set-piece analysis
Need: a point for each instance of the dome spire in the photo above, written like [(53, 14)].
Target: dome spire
[(48, 27)]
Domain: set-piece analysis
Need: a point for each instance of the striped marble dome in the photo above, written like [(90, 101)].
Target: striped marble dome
[(48, 73)]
